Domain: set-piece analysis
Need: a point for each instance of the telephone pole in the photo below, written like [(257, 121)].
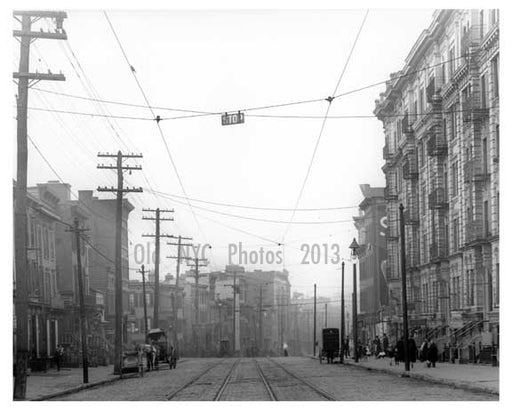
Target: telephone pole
[(120, 190), (25, 81), (83, 319), (342, 330), (260, 329), (405, 320), (157, 218), (314, 321), (196, 266), (176, 288), (142, 272)]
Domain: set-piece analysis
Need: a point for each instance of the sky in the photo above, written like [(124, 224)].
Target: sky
[(224, 61)]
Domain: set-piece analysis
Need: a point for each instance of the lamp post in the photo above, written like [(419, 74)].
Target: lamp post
[(342, 330), (405, 320), (354, 247)]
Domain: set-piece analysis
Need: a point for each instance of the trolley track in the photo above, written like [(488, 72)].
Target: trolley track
[(316, 389), (195, 381), (269, 390)]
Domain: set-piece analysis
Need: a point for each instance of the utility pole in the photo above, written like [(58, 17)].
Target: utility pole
[(145, 303), (196, 266), (176, 288), (26, 18), (157, 218), (120, 190), (83, 319), (314, 321), (260, 328), (235, 291), (325, 315), (405, 320), (342, 330)]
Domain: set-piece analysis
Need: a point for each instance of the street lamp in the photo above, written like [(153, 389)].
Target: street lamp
[(342, 330), (353, 255)]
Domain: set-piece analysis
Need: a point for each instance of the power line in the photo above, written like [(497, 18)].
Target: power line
[(90, 114), (322, 127), (132, 69), (418, 114), (256, 108), (263, 219), (164, 194)]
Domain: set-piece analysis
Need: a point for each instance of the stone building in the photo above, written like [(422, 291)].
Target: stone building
[(441, 121), (371, 224)]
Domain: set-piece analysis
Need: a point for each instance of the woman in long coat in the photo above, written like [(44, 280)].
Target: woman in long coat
[(432, 353), (412, 351)]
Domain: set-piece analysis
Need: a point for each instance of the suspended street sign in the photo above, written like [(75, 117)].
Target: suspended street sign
[(233, 118)]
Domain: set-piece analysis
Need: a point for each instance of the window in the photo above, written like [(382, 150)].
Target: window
[(486, 218), (420, 153), (455, 234), (497, 289), (455, 180), (451, 59), (483, 91), (131, 301), (482, 23), (495, 76), (485, 155), (46, 252), (422, 100)]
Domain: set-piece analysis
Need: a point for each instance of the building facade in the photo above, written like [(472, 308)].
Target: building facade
[(441, 119), (371, 225)]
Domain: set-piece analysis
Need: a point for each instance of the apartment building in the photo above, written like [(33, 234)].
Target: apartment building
[(441, 119)]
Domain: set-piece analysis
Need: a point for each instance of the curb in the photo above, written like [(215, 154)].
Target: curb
[(88, 386), (430, 379), (75, 389)]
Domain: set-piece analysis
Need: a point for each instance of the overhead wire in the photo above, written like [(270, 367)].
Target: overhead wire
[(323, 126), (230, 205), (139, 85)]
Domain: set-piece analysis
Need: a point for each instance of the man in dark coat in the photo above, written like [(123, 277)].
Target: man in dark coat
[(385, 343), (413, 351), (432, 353), (400, 346)]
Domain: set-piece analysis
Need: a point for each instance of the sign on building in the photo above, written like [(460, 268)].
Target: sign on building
[(233, 118)]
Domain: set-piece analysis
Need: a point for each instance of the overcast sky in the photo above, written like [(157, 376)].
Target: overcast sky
[(224, 61)]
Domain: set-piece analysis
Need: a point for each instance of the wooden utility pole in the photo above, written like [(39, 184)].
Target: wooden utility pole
[(314, 321), (196, 266), (83, 318), (157, 218), (342, 324), (26, 35), (120, 190), (260, 328), (145, 303), (176, 287), (405, 320)]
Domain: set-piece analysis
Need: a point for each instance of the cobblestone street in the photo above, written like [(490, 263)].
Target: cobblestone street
[(283, 379)]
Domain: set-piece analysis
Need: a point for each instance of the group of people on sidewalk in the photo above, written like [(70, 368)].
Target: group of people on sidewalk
[(427, 352)]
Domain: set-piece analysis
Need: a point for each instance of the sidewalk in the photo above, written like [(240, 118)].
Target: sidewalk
[(469, 376), (41, 385)]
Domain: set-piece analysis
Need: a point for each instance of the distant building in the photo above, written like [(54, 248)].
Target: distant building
[(441, 121), (373, 292)]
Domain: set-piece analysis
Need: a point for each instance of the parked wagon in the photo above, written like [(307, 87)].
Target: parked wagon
[(330, 345)]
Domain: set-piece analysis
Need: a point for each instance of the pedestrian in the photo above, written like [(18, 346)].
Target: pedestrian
[(59, 353), (172, 358), (432, 354), (400, 345), (377, 346), (413, 351), (385, 344), (424, 350), (346, 348), (149, 357)]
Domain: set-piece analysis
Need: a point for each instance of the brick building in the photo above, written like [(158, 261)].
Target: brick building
[(441, 119)]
